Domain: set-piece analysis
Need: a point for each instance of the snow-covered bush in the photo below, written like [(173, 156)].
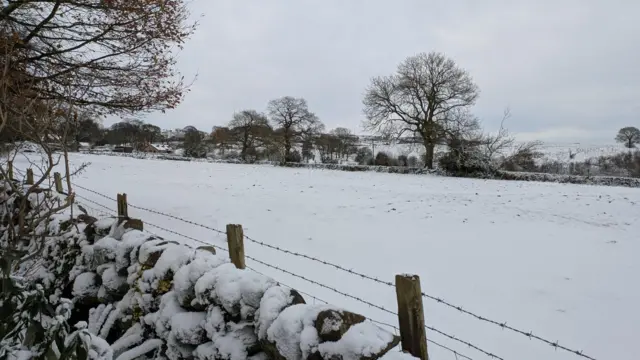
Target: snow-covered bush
[(35, 312)]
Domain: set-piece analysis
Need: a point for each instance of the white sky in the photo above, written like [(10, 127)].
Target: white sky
[(568, 69)]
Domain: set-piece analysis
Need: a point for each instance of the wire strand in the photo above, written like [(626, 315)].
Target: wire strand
[(452, 337)]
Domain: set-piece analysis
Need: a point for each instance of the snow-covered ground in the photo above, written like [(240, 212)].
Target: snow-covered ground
[(559, 260)]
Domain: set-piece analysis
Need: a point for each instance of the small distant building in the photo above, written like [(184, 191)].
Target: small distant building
[(123, 149), (84, 146), (157, 148)]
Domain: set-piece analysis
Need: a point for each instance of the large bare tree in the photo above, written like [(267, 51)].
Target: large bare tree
[(116, 54), (629, 136), (418, 99), (292, 120), (247, 126)]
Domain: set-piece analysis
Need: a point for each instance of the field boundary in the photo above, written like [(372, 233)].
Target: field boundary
[(597, 180)]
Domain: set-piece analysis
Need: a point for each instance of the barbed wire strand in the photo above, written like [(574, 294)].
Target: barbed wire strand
[(178, 218), (93, 191), (157, 212), (186, 236), (97, 211), (160, 227), (452, 337), (103, 212), (111, 211), (502, 325)]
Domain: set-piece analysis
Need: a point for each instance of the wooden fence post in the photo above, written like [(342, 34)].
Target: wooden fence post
[(10, 170), (413, 334), (30, 176), (58, 182), (123, 212), (235, 240)]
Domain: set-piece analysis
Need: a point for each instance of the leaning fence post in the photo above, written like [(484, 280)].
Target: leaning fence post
[(58, 182), (29, 176), (123, 212), (235, 240), (413, 335), (10, 170)]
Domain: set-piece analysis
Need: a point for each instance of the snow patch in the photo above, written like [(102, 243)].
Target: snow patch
[(85, 285), (361, 340), (188, 327), (273, 302), (294, 331)]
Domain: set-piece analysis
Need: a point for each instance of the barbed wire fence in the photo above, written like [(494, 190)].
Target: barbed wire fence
[(456, 353), (439, 300), (394, 327)]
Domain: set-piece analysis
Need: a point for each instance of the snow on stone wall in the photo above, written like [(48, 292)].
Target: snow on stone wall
[(147, 297)]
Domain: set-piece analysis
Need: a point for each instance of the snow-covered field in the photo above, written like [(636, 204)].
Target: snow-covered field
[(559, 260)]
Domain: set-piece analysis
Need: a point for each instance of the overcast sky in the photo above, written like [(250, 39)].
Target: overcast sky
[(568, 69)]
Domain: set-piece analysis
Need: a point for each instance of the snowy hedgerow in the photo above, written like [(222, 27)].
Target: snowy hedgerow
[(86, 286)]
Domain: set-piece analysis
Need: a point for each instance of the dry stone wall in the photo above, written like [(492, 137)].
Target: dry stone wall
[(154, 298)]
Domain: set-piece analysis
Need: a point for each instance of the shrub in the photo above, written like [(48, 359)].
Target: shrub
[(403, 160), (364, 156), (294, 156), (383, 159), (465, 161), (231, 155), (412, 161), (327, 160), (522, 160)]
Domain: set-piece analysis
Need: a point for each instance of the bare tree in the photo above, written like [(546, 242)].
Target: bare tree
[(194, 142), (417, 99), (496, 144), (347, 142), (119, 52), (47, 125), (247, 126), (221, 138), (629, 136), (292, 119)]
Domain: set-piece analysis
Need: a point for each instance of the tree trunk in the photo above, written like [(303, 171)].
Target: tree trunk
[(428, 156), (287, 146), (245, 146)]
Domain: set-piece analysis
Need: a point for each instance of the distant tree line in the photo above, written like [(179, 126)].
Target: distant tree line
[(286, 131), (427, 102)]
